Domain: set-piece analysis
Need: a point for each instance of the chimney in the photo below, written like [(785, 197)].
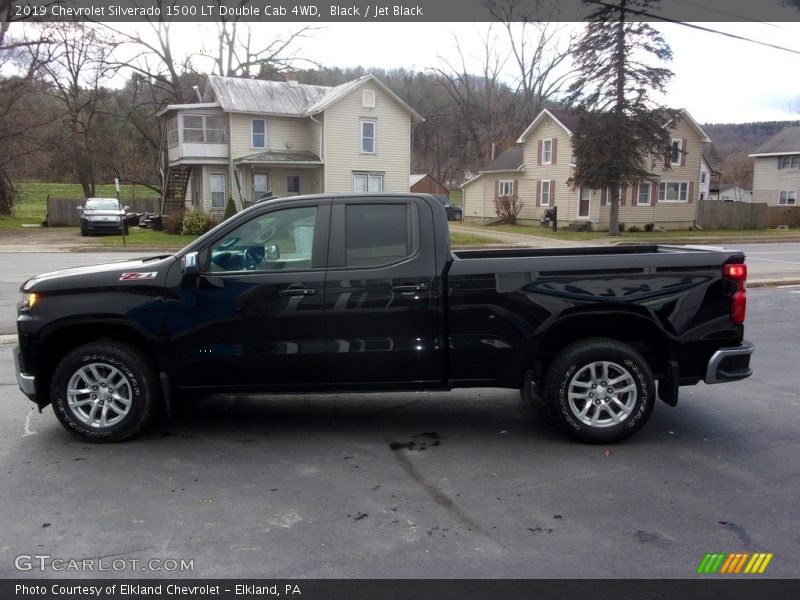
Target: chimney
[(197, 93), (494, 149)]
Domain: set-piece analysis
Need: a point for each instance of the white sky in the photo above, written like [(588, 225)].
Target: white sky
[(718, 79)]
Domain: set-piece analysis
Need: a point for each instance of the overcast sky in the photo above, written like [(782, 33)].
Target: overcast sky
[(718, 79)]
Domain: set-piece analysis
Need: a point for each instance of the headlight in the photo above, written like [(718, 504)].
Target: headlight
[(29, 299)]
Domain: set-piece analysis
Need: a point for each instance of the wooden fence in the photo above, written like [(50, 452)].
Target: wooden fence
[(716, 214), (63, 212), (783, 215)]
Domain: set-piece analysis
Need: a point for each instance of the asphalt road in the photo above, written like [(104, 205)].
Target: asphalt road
[(465, 484), (765, 262)]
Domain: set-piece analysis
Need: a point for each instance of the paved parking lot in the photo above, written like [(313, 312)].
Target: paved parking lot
[(465, 484)]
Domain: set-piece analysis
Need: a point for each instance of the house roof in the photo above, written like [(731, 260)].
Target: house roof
[(416, 178), (194, 106), (786, 141), (289, 98), (277, 157), (509, 160)]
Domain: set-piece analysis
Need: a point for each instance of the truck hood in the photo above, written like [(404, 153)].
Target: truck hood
[(147, 270)]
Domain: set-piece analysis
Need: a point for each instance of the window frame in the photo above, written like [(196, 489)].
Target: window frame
[(292, 176), (203, 129), (787, 193), (501, 184), (364, 95), (682, 186), (374, 137), (649, 185), (675, 154), (253, 133), (173, 121), (368, 175), (211, 192), (255, 191), (547, 152), (542, 201)]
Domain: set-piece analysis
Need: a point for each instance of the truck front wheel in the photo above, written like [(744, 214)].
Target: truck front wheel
[(104, 392), (600, 390)]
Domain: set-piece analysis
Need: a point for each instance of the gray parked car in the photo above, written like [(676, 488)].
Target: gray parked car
[(102, 215)]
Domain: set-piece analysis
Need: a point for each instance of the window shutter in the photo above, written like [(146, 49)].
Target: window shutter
[(691, 192), (654, 191), (497, 189), (603, 196), (683, 154), (515, 189), (622, 194), (780, 162), (554, 150), (538, 192), (539, 153), (552, 192)]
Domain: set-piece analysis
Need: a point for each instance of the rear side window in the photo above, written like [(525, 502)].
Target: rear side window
[(377, 234)]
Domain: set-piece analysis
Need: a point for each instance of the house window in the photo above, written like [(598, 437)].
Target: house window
[(547, 151), (203, 129), (544, 197), (293, 184), (703, 177), (789, 162), (217, 185), (260, 185), (368, 98), (677, 146), (788, 197), (671, 191), (367, 182), (258, 128), (643, 194), (172, 132), (610, 194), (368, 137), (505, 188)]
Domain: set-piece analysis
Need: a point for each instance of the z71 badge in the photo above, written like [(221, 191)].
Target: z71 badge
[(138, 276)]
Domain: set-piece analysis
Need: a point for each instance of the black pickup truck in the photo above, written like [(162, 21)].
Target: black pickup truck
[(362, 293)]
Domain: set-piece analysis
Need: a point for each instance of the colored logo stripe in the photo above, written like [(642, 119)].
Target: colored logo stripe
[(733, 563)]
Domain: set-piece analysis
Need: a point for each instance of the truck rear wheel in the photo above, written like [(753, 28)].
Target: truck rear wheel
[(104, 392), (600, 391)]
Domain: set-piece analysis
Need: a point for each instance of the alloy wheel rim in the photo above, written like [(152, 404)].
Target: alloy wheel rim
[(99, 395), (602, 394)]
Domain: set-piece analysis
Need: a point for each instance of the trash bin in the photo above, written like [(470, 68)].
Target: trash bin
[(157, 222)]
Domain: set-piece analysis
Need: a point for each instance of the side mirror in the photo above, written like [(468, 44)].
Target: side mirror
[(272, 252), (189, 269), (126, 208)]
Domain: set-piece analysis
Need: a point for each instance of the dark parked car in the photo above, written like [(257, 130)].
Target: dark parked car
[(356, 293), (454, 213), (103, 215)]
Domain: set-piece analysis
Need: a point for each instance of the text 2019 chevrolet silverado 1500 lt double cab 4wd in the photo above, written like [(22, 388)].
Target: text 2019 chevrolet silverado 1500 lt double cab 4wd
[(362, 292)]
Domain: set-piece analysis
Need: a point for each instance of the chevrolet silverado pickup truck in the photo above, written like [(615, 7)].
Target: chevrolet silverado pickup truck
[(356, 293)]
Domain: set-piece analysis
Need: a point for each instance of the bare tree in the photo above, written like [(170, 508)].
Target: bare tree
[(737, 169)]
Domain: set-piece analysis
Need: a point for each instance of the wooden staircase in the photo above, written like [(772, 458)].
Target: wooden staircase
[(175, 192)]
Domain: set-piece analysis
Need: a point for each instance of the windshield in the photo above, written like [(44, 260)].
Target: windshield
[(101, 204)]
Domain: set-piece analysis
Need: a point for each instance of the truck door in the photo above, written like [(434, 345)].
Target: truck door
[(383, 312), (255, 318)]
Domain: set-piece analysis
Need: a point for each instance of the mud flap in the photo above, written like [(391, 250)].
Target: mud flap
[(669, 384)]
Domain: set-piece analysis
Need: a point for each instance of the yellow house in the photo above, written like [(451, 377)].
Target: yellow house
[(248, 138), (538, 167)]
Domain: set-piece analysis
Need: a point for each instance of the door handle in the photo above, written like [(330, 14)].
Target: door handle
[(409, 289), (294, 292)]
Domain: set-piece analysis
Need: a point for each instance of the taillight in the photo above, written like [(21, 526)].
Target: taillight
[(737, 272)]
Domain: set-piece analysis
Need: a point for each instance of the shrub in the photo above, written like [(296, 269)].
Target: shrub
[(195, 222), (621, 227), (230, 210), (634, 229), (173, 222), (508, 207), (649, 226)]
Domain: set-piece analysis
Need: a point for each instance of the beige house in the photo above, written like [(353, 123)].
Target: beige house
[(249, 138), (776, 173), (538, 167)]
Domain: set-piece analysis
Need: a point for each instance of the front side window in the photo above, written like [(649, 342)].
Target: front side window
[(671, 191), (258, 133), (788, 197), (544, 198), (376, 234), (367, 182), (368, 137), (505, 188), (547, 152), (283, 240), (217, 185), (677, 146), (643, 194)]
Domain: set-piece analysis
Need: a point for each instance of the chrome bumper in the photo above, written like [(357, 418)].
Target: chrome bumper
[(730, 364), (27, 383)]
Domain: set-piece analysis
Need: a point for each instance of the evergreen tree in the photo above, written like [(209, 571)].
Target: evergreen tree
[(619, 125)]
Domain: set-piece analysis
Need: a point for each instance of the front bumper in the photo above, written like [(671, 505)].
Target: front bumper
[(730, 364), (102, 226), (27, 383)]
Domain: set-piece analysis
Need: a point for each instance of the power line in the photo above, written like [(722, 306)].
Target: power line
[(721, 12), (644, 13)]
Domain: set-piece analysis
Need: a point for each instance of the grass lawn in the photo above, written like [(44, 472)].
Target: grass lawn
[(458, 238), (138, 238), (32, 204)]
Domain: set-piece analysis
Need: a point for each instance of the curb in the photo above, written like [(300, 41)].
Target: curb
[(6, 340)]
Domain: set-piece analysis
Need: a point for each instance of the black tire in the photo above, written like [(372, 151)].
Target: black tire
[(612, 415), (84, 233), (117, 363)]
